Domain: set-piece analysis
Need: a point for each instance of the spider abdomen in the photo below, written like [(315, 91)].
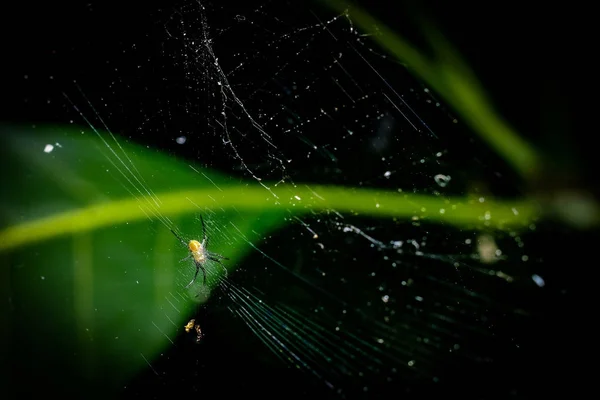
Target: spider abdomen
[(199, 256)]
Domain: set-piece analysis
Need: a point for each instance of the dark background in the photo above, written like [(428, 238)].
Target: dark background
[(533, 60), (530, 59)]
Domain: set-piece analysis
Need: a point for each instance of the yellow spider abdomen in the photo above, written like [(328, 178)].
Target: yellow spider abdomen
[(194, 246)]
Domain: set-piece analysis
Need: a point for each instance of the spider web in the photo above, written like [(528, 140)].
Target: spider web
[(285, 93)]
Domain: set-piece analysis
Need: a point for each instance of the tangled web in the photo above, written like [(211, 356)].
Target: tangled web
[(282, 93)]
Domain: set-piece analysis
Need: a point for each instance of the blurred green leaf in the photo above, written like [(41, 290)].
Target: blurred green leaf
[(97, 289), (92, 265)]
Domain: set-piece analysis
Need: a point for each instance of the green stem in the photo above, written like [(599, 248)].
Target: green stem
[(460, 212)]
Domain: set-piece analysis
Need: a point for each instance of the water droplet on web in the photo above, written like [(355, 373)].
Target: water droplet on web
[(538, 280), (442, 180)]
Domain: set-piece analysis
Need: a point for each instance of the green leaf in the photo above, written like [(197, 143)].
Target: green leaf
[(96, 286)]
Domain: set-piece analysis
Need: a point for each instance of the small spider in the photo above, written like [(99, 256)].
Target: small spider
[(200, 254)]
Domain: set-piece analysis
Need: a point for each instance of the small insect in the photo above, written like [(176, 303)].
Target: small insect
[(200, 254), (192, 325)]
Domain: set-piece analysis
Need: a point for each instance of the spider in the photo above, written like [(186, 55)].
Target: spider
[(200, 254)]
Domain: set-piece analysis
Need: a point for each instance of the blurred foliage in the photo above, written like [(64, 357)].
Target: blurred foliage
[(106, 283), (450, 77), (87, 263)]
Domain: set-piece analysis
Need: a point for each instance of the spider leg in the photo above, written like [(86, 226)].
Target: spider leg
[(210, 257), (204, 237), (199, 267), (187, 258), (216, 255), (179, 237)]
